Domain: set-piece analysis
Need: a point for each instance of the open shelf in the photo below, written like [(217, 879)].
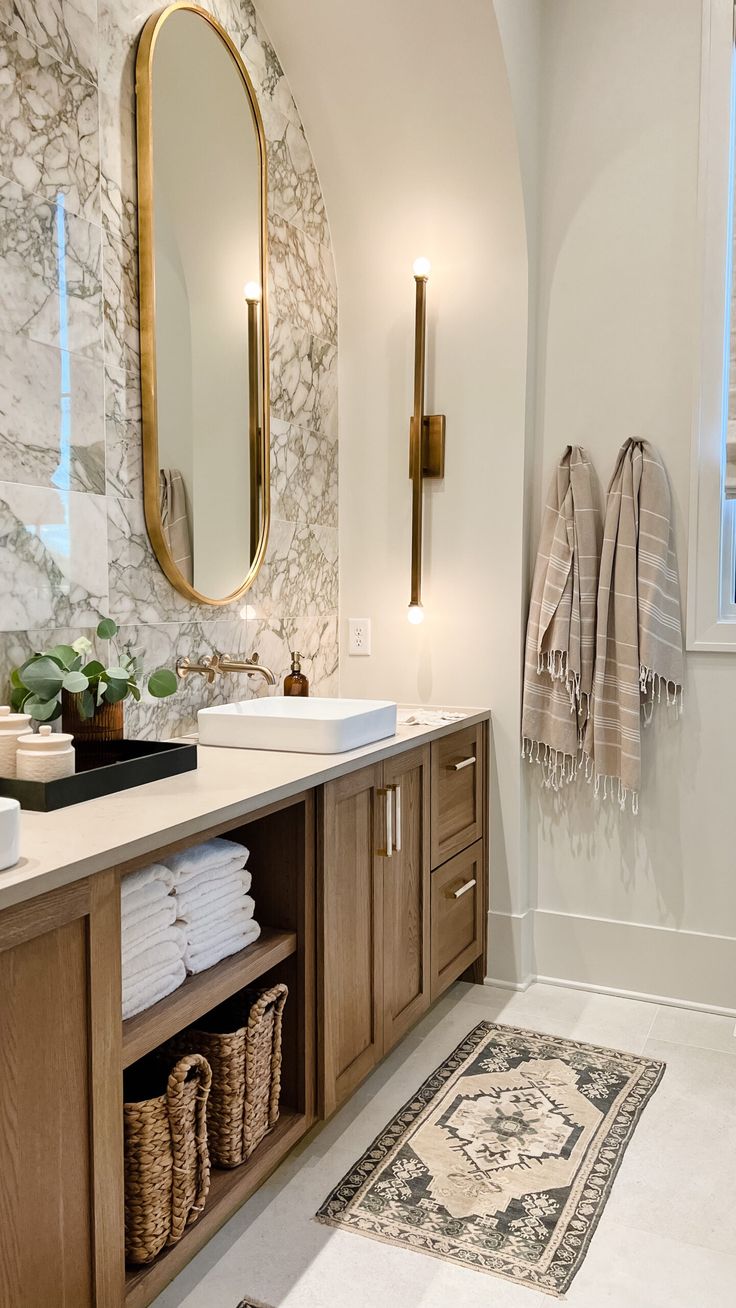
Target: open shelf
[(228, 1190), (203, 992)]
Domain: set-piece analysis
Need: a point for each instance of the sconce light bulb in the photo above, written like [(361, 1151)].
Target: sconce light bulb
[(415, 614), (252, 291), (421, 267)]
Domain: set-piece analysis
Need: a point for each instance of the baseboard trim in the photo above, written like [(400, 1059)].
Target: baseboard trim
[(605, 956)]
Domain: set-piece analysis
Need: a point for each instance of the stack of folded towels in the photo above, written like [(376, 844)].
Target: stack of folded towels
[(214, 911), (152, 944)]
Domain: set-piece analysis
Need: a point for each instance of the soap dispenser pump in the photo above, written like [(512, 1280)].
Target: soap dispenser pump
[(296, 683)]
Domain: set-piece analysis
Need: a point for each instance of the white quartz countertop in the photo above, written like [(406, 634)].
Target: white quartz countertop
[(61, 847)]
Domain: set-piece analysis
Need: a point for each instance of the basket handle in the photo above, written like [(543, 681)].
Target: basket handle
[(275, 998), (193, 1067)]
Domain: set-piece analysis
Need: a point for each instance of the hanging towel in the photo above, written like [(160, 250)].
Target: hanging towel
[(215, 853), (639, 632), (560, 638), (175, 520)]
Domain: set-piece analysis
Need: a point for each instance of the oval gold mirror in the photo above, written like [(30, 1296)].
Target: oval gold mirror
[(204, 321)]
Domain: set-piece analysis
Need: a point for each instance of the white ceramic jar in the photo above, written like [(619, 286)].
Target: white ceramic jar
[(9, 832), (45, 756), (12, 725)]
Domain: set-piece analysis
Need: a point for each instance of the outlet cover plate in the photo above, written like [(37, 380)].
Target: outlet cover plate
[(359, 637)]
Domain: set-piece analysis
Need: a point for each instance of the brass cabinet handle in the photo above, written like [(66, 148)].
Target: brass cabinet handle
[(385, 793), (397, 816), (455, 894), (466, 763)]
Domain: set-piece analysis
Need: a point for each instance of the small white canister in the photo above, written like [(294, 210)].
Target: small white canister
[(12, 725), (9, 832), (45, 756)]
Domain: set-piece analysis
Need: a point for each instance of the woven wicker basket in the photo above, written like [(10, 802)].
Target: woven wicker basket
[(241, 1041), (167, 1165)]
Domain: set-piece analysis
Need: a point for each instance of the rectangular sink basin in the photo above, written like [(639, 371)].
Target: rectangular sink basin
[(301, 726)]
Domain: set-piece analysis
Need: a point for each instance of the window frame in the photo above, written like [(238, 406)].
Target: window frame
[(711, 605)]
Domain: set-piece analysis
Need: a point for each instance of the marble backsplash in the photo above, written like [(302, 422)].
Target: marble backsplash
[(73, 543)]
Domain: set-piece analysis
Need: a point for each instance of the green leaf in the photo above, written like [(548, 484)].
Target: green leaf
[(43, 710), (75, 682), (162, 682), (15, 680), (64, 655), (107, 628), (93, 670), (87, 706), (43, 677), (18, 697), (115, 691), (116, 674), (135, 692)]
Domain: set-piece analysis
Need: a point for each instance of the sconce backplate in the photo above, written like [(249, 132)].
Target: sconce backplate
[(433, 445)]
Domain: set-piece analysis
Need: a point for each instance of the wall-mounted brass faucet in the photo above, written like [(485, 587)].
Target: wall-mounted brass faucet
[(426, 440), (209, 666)]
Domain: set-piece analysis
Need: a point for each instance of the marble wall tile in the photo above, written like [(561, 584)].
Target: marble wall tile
[(120, 304), (123, 433), (50, 405), (314, 638), (293, 184), (118, 171), (303, 475), (120, 23), (64, 29), (299, 577), (302, 280), (139, 590), (303, 378), (50, 273), (49, 133), (53, 565)]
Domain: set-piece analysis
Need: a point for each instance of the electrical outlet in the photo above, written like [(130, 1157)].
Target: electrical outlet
[(359, 636)]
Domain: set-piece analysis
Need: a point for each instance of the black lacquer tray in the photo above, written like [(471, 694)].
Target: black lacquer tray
[(103, 769)]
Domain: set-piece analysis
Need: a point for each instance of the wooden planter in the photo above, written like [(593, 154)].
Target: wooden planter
[(107, 723)]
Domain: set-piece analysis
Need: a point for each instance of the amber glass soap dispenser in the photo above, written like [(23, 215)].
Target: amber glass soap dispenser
[(296, 683)]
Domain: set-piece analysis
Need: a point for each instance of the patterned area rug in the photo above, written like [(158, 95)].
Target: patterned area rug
[(504, 1159)]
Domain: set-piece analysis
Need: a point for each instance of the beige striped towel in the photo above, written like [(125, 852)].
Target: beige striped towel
[(639, 633), (560, 641)]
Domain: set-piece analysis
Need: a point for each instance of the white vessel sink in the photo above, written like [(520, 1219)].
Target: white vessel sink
[(302, 726)]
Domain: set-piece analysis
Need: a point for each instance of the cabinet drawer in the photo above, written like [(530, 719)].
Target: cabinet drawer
[(457, 792), (457, 916)]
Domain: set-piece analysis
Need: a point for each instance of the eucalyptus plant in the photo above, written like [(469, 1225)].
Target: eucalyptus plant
[(36, 686)]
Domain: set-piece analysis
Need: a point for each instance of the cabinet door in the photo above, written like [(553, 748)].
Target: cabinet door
[(457, 916), (61, 1145), (406, 894), (351, 973)]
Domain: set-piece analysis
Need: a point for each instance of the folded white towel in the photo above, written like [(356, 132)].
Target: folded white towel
[(210, 891), (427, 717), (150, 895), (222, 910), (209, 875), (210, 854), (155, 872), (149, 921), (138, 956), (219, 928), (137, 998), (199, 959)]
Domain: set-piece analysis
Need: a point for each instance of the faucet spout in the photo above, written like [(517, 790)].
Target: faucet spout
[(250, 666)]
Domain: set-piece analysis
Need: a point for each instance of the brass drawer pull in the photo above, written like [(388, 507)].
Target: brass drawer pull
[(455, 894), (397, 816), (466, 763)]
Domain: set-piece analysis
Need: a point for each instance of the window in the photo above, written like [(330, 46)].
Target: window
[(711, 615)]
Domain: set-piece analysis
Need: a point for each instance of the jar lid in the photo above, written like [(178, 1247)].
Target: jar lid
[(46, 740), (12, 723)]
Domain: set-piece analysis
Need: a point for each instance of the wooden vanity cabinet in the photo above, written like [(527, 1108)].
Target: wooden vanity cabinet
[(375, 916)]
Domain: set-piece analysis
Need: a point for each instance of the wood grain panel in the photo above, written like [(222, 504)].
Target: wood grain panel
[(45, 1106), (457, 793), (351, 934), (406, 886), (457, 922)]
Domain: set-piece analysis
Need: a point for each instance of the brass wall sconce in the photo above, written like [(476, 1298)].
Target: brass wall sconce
[(426, 441), (253, 296)]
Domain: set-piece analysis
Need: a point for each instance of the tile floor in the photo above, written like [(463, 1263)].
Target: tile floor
[(667, 1237)]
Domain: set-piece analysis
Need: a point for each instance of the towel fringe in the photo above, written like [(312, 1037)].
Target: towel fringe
[(650, 684), (558, 768)]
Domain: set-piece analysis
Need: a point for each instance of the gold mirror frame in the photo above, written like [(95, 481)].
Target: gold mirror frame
[(147, 291)]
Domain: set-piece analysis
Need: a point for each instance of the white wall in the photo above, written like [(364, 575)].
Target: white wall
[(615, 353), (410, 120)]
